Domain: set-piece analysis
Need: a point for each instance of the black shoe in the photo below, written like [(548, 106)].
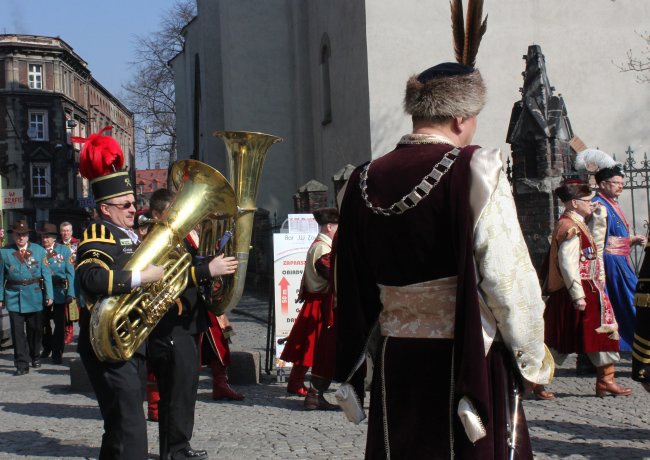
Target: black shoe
[(194, 454), (45, 353), (36, 363), (22, 371), (57, 359)]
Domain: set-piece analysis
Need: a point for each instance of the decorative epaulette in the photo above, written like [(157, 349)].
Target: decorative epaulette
[(97, 233)]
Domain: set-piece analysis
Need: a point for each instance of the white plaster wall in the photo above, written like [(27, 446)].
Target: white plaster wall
[(579, 38)]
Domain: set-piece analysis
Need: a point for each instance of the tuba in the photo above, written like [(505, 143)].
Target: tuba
[(246, 151), (120, 324)]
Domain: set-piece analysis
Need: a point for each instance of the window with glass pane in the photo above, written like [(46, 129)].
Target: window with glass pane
[(40, 180), (35, 76), (37, 125)]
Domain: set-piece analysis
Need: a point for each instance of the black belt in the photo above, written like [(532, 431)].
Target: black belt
[(56, 281), (23, 282)]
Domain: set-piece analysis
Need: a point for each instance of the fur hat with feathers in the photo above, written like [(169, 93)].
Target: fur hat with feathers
[(451, 96)]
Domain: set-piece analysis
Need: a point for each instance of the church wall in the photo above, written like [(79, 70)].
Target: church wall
[(580, 39)]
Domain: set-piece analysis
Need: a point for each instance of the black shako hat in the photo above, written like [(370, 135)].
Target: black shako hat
[(101, 161)]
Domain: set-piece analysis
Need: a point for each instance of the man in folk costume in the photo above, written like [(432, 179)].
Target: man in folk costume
[(315, 292), (215, 353), (579, 316), (61, 262), (438, 260), (107, 245), (173, 352), (620, 275), (25, 286), (72, 308)]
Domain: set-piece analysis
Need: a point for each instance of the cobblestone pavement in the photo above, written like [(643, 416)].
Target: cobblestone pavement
[(41, 418)]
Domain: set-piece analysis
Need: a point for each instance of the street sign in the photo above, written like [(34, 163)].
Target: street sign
[(87, 202), (12, 198)]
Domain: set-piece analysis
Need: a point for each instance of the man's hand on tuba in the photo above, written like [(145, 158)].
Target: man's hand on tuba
[(222, 265), (151, 274)]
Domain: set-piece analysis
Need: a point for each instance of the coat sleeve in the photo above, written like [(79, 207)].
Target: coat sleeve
[(46, 274), (569, 262), (69, 272), (97, 269), (509, 285)]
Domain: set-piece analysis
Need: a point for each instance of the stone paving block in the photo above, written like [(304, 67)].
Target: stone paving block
[(244, 368)]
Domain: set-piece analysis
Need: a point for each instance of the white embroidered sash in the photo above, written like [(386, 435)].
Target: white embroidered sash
[(424, 310)]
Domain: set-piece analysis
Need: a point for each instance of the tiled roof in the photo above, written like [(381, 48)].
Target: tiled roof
[(150, 179)]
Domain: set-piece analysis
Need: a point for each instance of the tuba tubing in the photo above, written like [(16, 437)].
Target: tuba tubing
[(246, 153), (119, 325)]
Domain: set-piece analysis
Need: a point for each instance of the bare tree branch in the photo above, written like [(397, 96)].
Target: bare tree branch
[(638, 62), (150, 94)]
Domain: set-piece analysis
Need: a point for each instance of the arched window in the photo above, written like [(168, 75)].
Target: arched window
[(326, 93)]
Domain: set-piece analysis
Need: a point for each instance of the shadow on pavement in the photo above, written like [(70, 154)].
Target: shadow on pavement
[(563, 449), (33, 445), (42, 409)]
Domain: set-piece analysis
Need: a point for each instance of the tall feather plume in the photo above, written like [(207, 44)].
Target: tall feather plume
[(100, 155), (458, 28), (467, 37)]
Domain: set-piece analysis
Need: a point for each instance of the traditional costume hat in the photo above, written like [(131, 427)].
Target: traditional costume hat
[(452, 89), (600, 163), (326, 216), (20, 227), (101, 161), (49, 229), (573, 189)]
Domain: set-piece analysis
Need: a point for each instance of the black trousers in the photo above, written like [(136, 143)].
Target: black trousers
[(120, 390), (53, 339), (175, 362), (26, 334)]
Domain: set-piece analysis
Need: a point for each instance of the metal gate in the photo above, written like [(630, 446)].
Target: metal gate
[(636, 198)]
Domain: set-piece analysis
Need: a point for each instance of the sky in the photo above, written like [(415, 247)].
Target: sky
[(102, 33)]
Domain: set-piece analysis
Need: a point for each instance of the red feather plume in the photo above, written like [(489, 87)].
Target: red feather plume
[(100, 155)]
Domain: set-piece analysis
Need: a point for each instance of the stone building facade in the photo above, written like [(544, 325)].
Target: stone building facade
[(47, 95)]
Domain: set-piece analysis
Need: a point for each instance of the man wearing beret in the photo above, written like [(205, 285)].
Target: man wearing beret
[(25, 286), (61, 262), (430, 249), (106, 246)]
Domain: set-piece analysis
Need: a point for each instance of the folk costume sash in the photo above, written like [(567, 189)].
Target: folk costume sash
[(589, 274)]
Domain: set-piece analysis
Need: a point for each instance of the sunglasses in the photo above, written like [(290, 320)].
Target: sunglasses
[(126, 205)]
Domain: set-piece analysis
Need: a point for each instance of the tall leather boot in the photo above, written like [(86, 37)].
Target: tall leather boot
[(220, 387), (153, 396), (296, 384), (605, 382)]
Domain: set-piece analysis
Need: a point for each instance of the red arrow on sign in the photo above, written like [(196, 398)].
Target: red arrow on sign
[(284, 296)]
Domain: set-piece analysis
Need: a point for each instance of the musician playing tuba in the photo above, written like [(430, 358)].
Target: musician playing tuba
[(106, 246), (173, 353)]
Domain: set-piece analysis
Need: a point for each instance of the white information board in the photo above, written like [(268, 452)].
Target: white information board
[(289, 254)]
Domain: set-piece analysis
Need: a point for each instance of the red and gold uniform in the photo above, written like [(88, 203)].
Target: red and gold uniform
[(574, 273)]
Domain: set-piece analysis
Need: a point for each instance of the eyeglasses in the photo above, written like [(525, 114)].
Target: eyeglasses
[(586, 200), (126, 205), (620, 184)]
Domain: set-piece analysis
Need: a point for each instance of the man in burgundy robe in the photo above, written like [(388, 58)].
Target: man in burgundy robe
[(430, 248)]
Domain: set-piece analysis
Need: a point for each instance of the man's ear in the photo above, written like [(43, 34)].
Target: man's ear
[(456, 125)]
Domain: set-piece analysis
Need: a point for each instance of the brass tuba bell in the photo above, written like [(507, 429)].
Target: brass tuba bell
[(247, 152), (120, 324)]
